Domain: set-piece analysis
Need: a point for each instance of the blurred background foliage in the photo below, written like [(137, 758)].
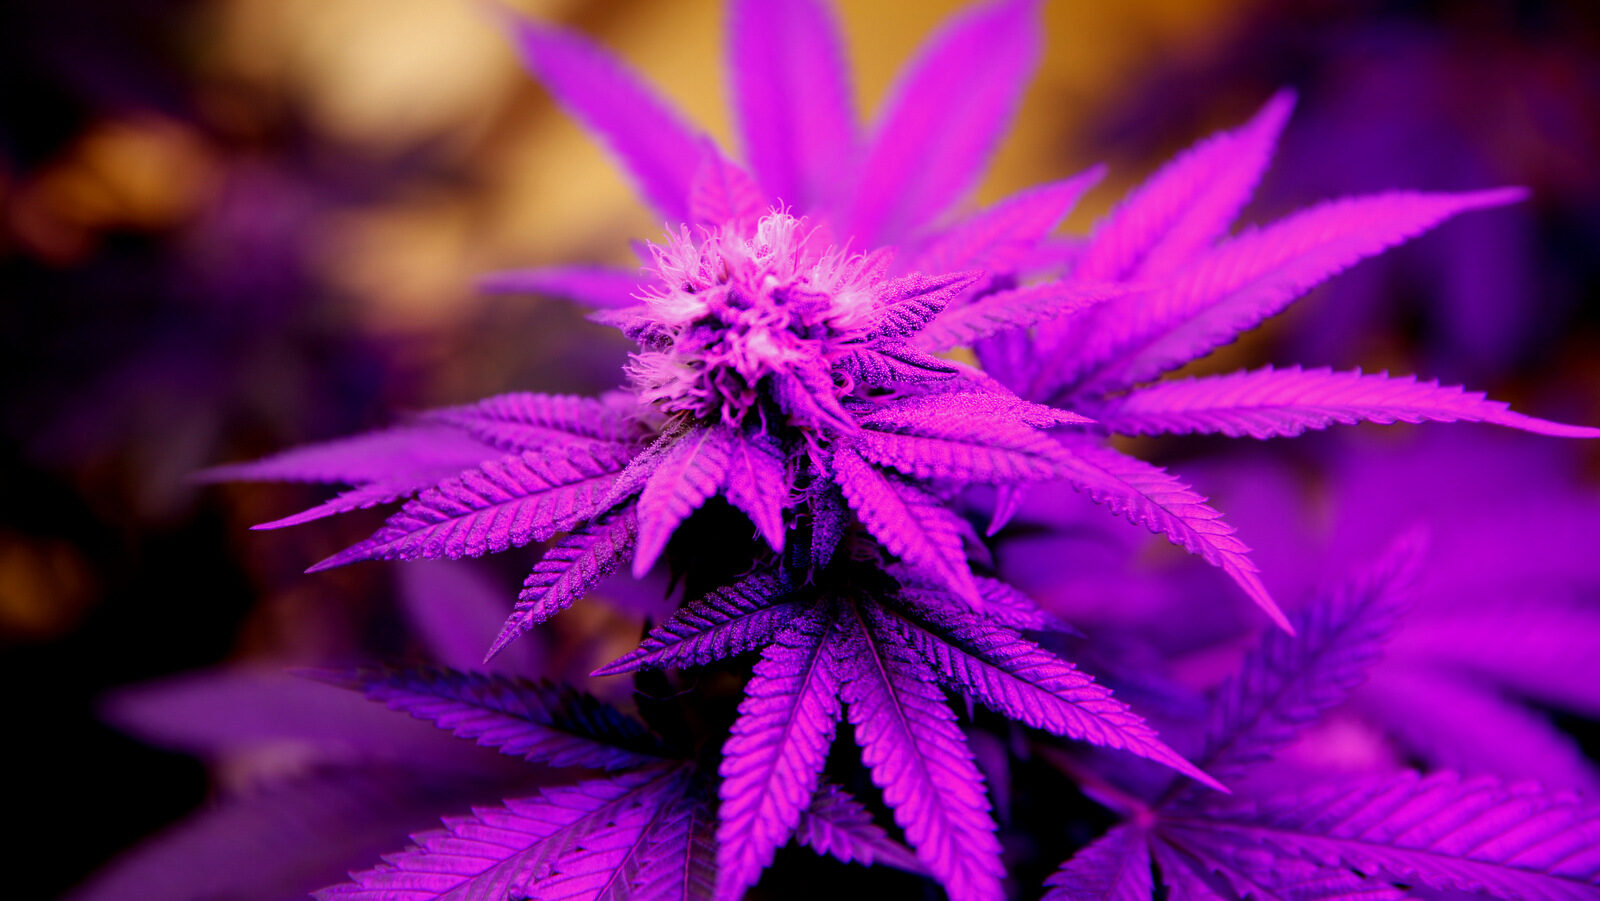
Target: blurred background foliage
[(229, 226)]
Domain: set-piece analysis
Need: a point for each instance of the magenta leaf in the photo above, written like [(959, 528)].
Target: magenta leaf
[(1290, 680), (792, 94), (912, 524), (919, 758), (526, 421), (369, 495), (399, 455), (837, 825), (691, 471), (1187, 205), (1015, 309), (807, 393), (645, 134), (1004, 237), (947, 113), (600, 287), (904, 306), (972, 437), (567, 571), (608, 860), (722, 193), (728, 621), (758, 484), (887, 362), (1115, 867), (504, 503), (1210, 301), (1002, 604), (536, 721), (680, 864), (501, 852), (1018, 678), (773, 757), (1271, 402), (1147, 495), (1441, 831)]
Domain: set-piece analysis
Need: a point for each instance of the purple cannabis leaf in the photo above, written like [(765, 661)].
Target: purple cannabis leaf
[(919, 758), (741, 617), (773, 759), (536, 721), (571, 566), (837, 825), (1003, 237)]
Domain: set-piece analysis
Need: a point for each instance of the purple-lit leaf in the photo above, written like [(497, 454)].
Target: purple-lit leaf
[(1210, 301), (723, 194), (404, 454), (1441, 831), (792, 95), (919, 758), (645, 134), (536, 721), (837, 825), (887, 362), (1004, 236), (691, 472), (680, 864), (1115, 867), (526, 421), (499, 852), (1187, 205), (1023, 681), (1147, 495), (728, 621), (758, 485), (567, 571), (1019, 308), (912, 524), (607, 861), (773, 757), (1291, 679), (907, 304), (1271, 402), (972, 437), (504, 503), (946, 113)]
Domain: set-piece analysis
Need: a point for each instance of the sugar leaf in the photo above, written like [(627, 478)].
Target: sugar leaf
[(567, 571), (912, 524), (838, 825), (503, 503), (758, 485), (728, 621), (602, 93), (887, 362), (773, 756), (691, 471), (537, 721), (946, 112), (1269, 402), (1147, 495), (904, 306), (918, 757)]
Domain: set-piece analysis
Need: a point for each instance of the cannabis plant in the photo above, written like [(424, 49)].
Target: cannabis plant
[(799, 441)]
